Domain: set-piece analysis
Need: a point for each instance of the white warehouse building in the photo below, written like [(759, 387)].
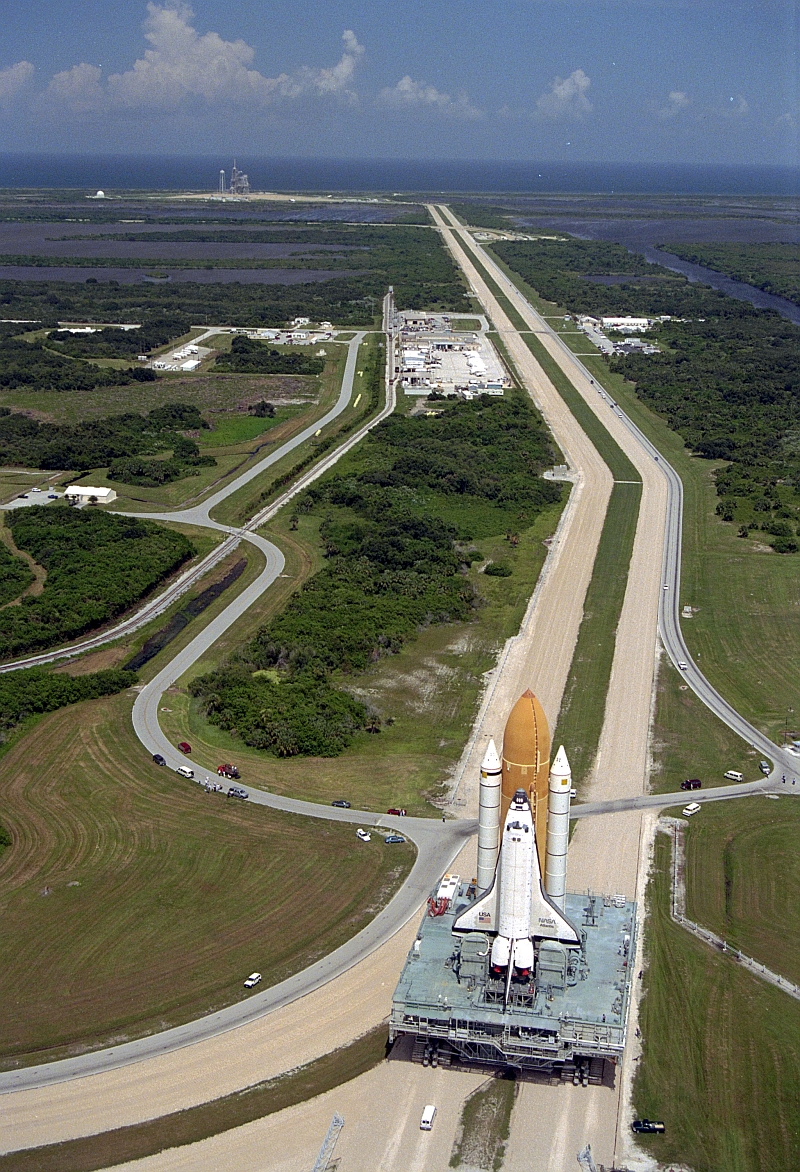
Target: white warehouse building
[(84, 494)]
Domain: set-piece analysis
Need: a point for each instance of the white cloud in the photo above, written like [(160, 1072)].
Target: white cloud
[(13, 79), (677, 102), (417, 94), (183, 67), (738, 106), (566, 98)]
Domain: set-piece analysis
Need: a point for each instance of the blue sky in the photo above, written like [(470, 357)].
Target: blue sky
[(707, 81)]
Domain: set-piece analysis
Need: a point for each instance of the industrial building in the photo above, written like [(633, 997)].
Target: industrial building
[(435, 357), (508, 970)]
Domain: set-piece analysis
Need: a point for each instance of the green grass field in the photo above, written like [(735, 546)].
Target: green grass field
[(132, 900), (484, 1126), (720, 1065), (743, 878)]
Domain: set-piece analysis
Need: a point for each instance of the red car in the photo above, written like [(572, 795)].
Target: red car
[(396, 812), (185, 747)]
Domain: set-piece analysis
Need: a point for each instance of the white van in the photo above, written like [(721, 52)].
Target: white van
[(428, 1116), (692, 808), (734, 775), (185, 771)]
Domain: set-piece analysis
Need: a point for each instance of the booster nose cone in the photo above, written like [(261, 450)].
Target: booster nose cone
[(491, 762)]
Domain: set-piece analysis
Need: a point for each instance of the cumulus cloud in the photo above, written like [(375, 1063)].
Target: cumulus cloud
[(183, 67), (566, 98), (677, 102), (410, 94), (13, 79)]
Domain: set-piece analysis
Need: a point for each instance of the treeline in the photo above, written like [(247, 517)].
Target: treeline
[(31, 366), (247, 356), (35, 690), (15, 575), (119, 441), (117, 343), (775, 268), (411, 259), (727, 380), (97, 566), (392, 566)]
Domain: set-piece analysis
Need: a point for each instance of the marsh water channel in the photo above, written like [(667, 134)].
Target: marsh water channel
[(652, 237)]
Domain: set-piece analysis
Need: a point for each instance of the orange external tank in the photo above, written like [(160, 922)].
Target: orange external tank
[(526, 763)]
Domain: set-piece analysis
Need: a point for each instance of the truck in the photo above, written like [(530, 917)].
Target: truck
[(228, 770)]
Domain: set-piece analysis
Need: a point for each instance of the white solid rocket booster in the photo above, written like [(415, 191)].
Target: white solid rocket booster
[(555, 867), (489, 817)]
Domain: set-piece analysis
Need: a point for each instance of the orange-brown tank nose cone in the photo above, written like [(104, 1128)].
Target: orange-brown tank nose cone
[(526, 762)]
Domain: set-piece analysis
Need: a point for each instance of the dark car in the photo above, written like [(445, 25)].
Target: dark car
[(159, 760), (396, 811), (236, 791), (390, 838), (648, 1127), (185, 747), (341, 803), (691, 783)]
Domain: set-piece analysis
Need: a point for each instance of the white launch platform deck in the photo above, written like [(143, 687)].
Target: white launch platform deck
[(566, 1019)]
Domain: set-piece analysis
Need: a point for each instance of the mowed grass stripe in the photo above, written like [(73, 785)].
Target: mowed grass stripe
[(720, 1064), (583, 707), (179, 1128), (179, 893)]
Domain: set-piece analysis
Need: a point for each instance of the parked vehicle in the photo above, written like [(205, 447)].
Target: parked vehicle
[(428, 1116), (397, 812), (391, 838), (691, 783), (341, 803), (185, 771), (734, 775), (184, 746), (159, 760), (364, 835), (691, 809), (236, 791), (648, 1127), (765, 767), (228, 770), (252, 980)]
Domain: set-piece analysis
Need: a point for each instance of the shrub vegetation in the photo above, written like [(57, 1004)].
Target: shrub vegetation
[(247, 356), (727, 378), (97, 566), (34, 690), (392, 565)]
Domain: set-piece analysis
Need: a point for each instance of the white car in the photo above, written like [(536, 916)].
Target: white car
[(683, 666), (791, 749), (364, 835), (692, 808), (252, 980)]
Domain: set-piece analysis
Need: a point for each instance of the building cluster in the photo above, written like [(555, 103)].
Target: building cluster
[(187, 358), (433, 356), (597, 329)]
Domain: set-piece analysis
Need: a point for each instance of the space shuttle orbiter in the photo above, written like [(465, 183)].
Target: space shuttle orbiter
[(516, 906)]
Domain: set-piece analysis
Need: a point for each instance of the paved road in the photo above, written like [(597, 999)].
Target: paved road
[(200, 515)]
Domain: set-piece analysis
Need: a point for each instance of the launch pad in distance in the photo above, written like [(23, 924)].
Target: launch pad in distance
[(510, 970)]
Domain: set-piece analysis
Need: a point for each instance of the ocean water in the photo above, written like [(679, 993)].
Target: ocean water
[(168, 173)]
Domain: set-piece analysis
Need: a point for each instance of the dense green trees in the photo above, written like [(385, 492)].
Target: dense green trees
[(727, 378), (31, 366), (15, 575), (392, 566), (120, 441), (156, 330), (775, 268), (247, 356), (97, 566), (35, 690)]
